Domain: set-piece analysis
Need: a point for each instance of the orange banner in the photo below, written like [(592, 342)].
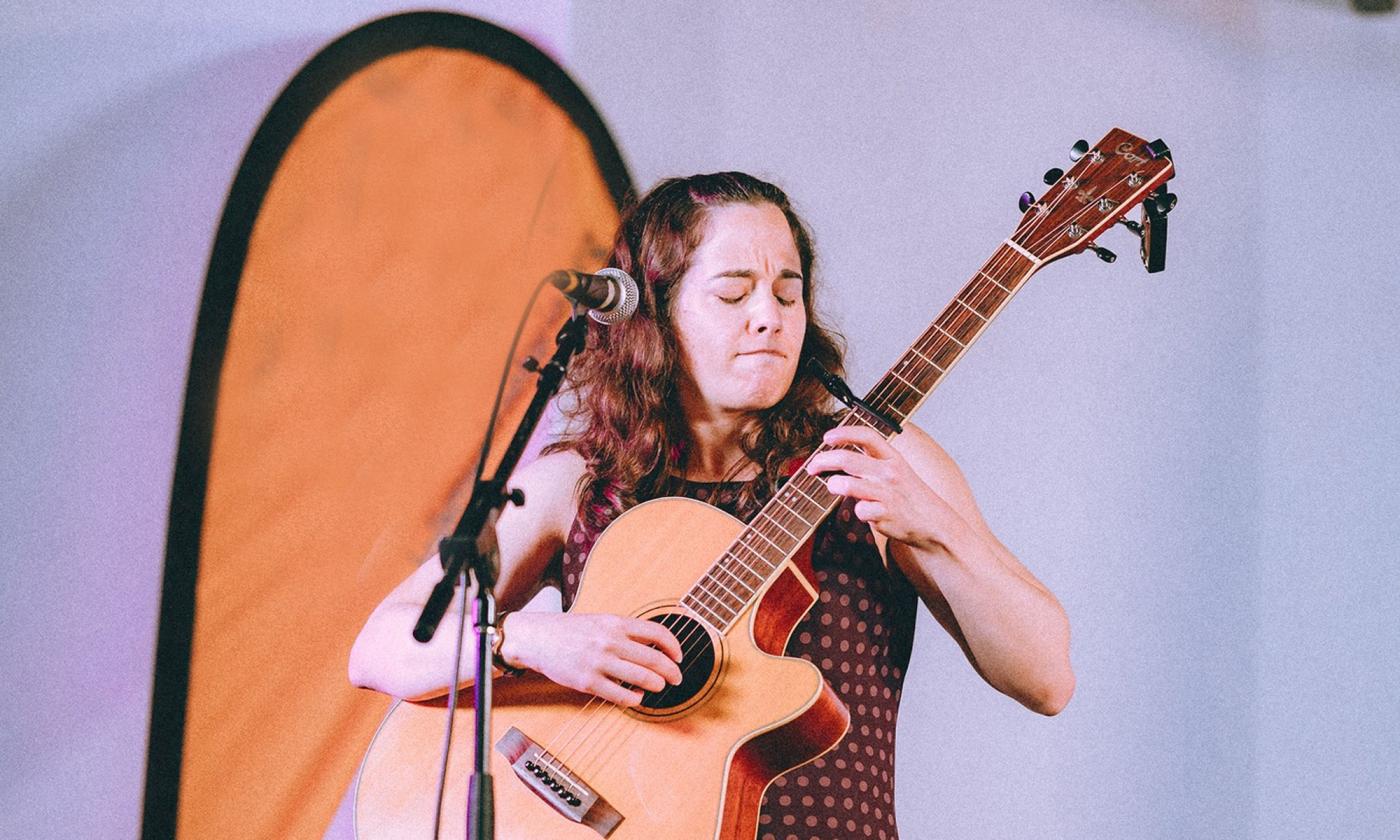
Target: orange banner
[(389, 264)]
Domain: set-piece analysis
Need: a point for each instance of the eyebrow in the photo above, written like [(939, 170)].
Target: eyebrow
[(748, 274)]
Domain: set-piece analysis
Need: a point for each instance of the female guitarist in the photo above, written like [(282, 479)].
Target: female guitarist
[(702, 394)]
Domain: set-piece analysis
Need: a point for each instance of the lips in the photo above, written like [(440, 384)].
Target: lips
[(778, 353)]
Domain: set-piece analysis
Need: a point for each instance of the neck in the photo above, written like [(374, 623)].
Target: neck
[(715, 450)]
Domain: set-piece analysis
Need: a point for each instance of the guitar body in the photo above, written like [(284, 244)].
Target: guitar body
[(692, 763)]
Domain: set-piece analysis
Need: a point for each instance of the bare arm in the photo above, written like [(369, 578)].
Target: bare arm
[(385, 656), (1012, 629), (593, 653)]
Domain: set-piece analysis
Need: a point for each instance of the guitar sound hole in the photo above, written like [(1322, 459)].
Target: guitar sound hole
[(697, 664)]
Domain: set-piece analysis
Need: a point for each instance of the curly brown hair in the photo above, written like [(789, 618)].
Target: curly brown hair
[(624, 408)]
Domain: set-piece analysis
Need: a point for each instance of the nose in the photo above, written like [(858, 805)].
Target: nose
[(764, 314)]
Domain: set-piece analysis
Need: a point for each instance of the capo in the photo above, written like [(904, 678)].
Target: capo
[(841, 391)]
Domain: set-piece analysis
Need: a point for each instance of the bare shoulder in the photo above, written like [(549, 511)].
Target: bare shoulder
[(561, 466)]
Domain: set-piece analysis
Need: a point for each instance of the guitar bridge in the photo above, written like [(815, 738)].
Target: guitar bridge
[(552, 781)]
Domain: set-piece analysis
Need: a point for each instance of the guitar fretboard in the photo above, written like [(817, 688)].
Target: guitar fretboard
[(734, 582)]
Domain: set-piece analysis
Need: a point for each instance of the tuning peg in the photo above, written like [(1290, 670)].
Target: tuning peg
[(1025, 201), (1053, 175), (1131, 225), (1160, 203), (1103, 253), (1078, 150)]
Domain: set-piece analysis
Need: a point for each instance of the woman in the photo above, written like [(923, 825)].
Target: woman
[(702, 394)]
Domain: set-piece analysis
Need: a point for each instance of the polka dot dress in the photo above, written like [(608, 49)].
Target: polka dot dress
[(859, 634)]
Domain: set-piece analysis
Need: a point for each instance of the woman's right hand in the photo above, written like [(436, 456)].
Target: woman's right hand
[(594, 652)]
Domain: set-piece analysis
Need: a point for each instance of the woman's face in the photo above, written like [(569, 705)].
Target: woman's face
[(738, 312)]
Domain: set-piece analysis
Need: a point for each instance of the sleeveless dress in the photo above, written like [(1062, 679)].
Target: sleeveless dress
[(859, 633)]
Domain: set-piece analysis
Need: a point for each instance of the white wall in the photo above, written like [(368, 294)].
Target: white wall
[(1200, 463), (1327, 698)]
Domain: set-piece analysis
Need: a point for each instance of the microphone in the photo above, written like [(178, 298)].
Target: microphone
[(610, 295)]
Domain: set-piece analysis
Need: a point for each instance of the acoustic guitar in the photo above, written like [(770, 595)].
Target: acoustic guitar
[(693, 761)]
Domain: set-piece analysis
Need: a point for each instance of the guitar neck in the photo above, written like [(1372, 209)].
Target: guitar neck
[(905, 386), (792, 515), (1105, 182)]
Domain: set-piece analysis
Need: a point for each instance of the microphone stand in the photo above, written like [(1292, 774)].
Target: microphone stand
[(472, 549)]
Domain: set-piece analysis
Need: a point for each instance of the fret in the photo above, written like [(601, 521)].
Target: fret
[(978, 315), (763, 559), (740, 595), (808, 511), (890, 393), (896, 375), (802, 521), (905, 385), (1001, 285), (703, 596), (985, 299), (724, 589), (951, 336), (945, 353), (925, 358), (698, 603), (925, 375), (778, 522), (855, 413), (751, 579), (798, 488), (698, 608), (778, 500), (710, 587), (960, 323), (753, 530)]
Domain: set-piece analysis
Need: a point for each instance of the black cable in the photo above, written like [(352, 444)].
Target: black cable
[(451, 709), (462, 622), (505, 374)]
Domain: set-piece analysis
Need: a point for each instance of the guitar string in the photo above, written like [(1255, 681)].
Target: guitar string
[(687, 641), (979, 296), (883, 390), (694, 636), (982, 290), (597, 741), (602, 739), (1025, 232), (978, 291)]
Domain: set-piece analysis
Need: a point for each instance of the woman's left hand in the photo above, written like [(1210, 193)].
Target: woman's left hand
[(892, 498)]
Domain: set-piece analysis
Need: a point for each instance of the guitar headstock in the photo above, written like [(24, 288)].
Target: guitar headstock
[(1108, 180)]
